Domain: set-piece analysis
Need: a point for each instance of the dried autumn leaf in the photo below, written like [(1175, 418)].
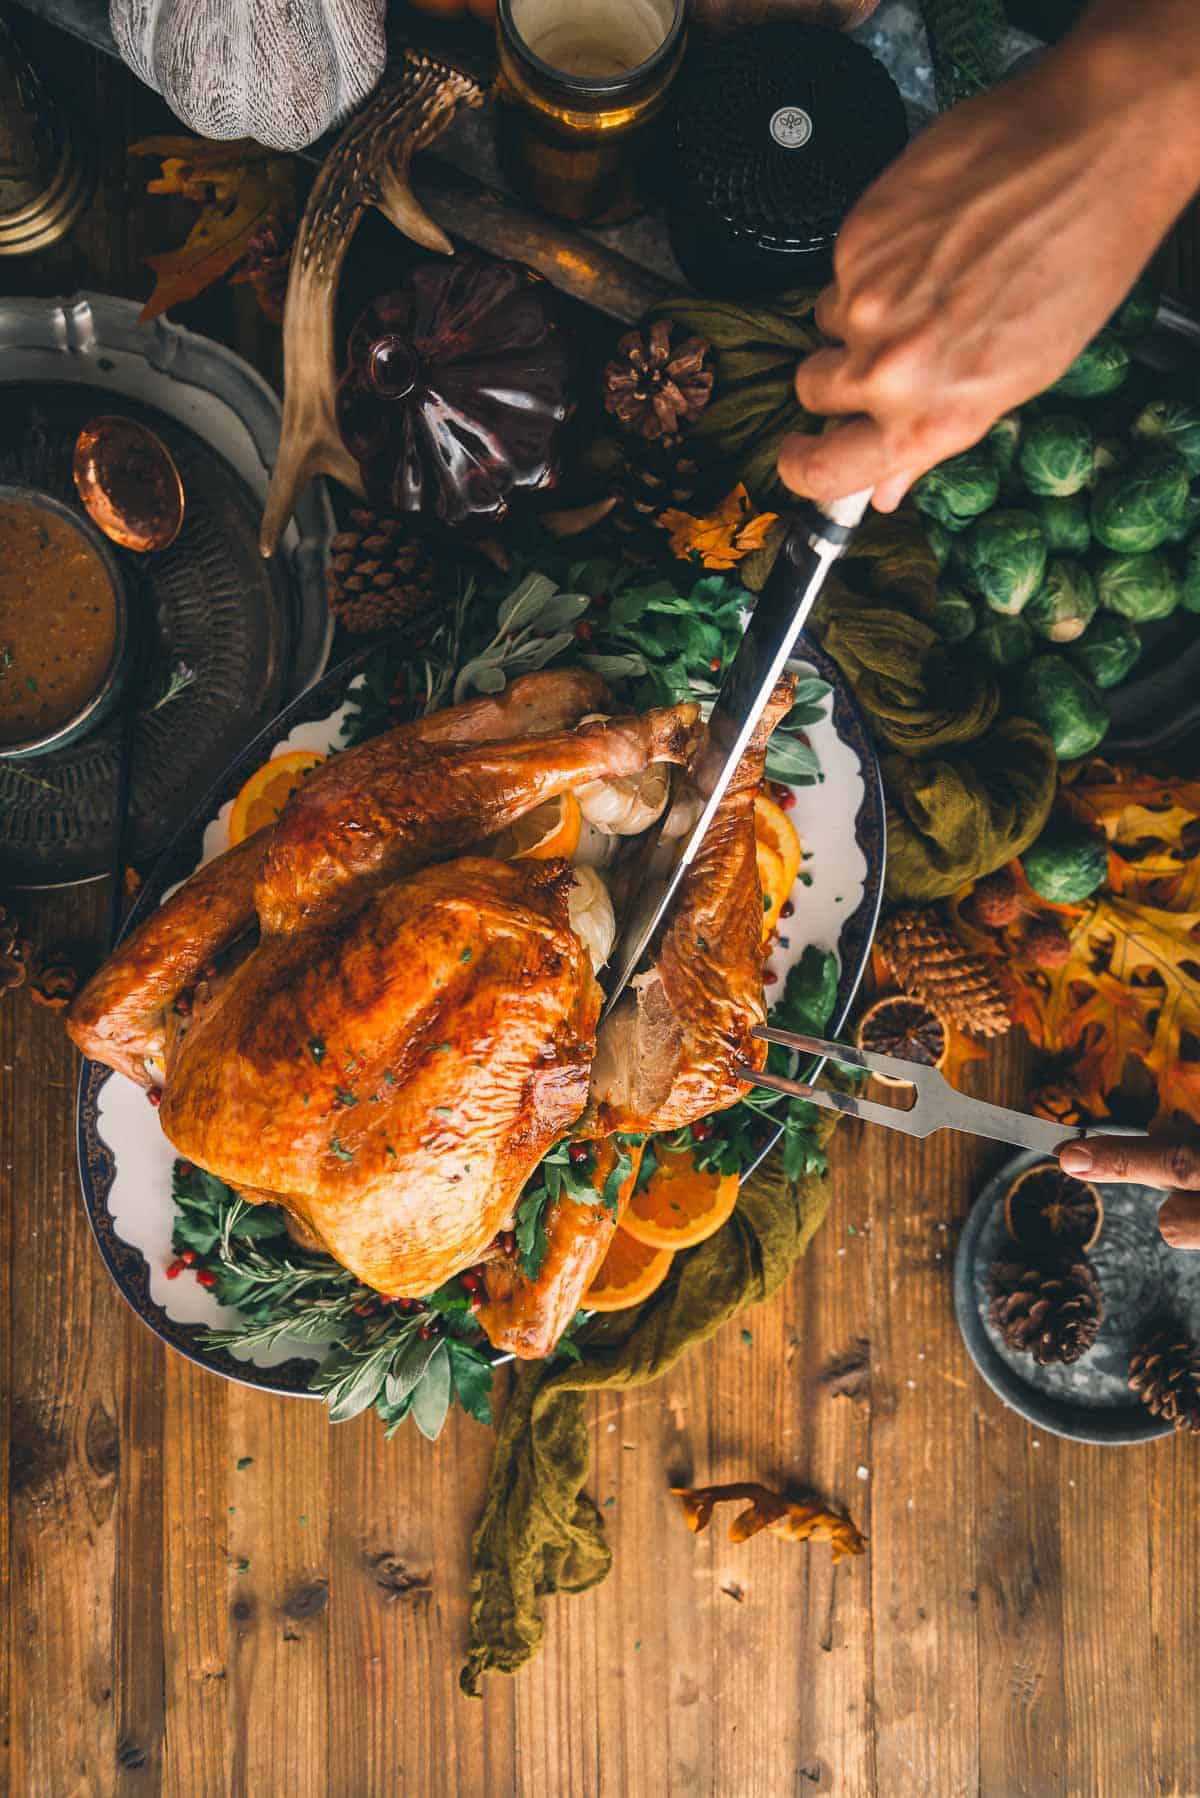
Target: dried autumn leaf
[(238, 184), (721, 537), (797, 1520), (1129, 991)]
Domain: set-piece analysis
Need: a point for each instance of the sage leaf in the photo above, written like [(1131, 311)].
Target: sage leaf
[(563, 609), (616, 667), (408, 1370), (790, 760), (524, 602), (431, 1399)]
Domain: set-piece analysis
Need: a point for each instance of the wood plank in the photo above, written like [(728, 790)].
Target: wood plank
[(1107, 1658), (400, 1523), (1171, 1701), (1023, 1744), (277, 1591), (132, 1443), (924, 1500), (66, 1402)]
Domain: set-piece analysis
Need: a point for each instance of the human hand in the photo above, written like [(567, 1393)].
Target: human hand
[(1146, 1161), (978, 266)]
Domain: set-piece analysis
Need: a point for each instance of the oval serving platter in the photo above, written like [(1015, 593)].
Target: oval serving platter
[(125, 1161)]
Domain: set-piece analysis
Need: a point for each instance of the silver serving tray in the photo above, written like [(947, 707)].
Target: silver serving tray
[(272, 620), (95, 339)]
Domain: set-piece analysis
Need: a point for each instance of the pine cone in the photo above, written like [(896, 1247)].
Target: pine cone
[(1051, 1309), (378, 575), (654, 387), (267, 262), (16, 953), (930, 960), (649, 487), (53, 982), (1164, 1371)]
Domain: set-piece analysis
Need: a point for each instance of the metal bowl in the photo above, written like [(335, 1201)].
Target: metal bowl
[(105, 697)]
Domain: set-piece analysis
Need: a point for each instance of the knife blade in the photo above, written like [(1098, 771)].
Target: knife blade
[(813, 544)]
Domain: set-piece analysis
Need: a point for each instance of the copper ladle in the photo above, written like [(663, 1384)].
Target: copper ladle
[(129, 484)]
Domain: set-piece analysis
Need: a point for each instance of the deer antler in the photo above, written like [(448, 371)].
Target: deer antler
[(368, 166)]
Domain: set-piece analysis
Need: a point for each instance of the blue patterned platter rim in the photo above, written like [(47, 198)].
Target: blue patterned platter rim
[(1141, 1276), (127, 1263)]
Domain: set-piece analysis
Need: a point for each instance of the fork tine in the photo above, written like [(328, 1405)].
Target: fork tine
[(847, 1103), (908, 1071)]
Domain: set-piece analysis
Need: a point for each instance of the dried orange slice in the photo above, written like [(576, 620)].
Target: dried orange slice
[(629, 1273), (681, 1204), (778, 858), (268, 790), (548, 830)]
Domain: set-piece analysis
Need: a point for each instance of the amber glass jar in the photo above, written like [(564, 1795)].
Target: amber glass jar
[(580, 85)]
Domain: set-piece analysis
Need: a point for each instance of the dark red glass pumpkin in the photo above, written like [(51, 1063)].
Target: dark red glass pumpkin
[(456, 390)]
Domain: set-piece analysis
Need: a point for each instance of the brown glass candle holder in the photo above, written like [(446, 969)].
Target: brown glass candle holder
[(578, 90)]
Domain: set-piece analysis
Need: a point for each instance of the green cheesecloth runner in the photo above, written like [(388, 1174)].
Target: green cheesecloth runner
[(966, 789)]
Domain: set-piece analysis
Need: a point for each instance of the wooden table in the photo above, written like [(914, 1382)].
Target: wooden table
[(210, 1590)]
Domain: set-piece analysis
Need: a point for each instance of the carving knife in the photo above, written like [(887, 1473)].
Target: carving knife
[(812, 546)]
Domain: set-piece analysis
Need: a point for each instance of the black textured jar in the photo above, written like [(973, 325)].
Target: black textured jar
[(777, 132)]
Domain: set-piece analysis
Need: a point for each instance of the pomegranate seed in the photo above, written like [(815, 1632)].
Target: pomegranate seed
[(364, 1310), (715, 665), (578, 1152), (470, 1281), (186, 1170), (204, 1278), (476, 1301), (210, 972), (583, 631), (155, 1096), (787, 909), (183, 1005), (189, 1257), (702, 1131), (508, 1242), (175, 1269), (425, 1332), (788, 800), (770, 978)]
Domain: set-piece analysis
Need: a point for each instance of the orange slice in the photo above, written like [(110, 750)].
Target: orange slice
[(778, 858), (548, 830), (267, 792), (629, 1273), (681, 1204)]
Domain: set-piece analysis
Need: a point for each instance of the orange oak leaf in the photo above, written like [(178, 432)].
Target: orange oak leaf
[(1128, 994), (796, 1520), (238, 185), (721, 537)]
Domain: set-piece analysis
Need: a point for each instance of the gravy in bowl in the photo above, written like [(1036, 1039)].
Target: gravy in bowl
[(58, 620)]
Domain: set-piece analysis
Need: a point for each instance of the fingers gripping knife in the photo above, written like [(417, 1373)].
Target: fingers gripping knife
[(812, 546)]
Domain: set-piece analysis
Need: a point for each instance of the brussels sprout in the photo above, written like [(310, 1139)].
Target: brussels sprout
[(1137, 587), (1100, 368), (1002, 642), (1136, 508), (938, 539), (953, 615), (1189, 586), (1056, 455), (958, 490), (1002, 440), (1110, 452), (1191, 516), (1005, 554), (1138, 311), (1064, 523), (1174, 425), (1066, 706), (1067, 863), (1065, 603), (1107, 650)]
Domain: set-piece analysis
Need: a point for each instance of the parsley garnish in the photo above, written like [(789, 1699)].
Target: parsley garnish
[(344, 1096), (316, 1049), (465, 956), (340, 1150)]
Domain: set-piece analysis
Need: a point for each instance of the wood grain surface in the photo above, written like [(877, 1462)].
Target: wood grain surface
[(210, 1591)]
